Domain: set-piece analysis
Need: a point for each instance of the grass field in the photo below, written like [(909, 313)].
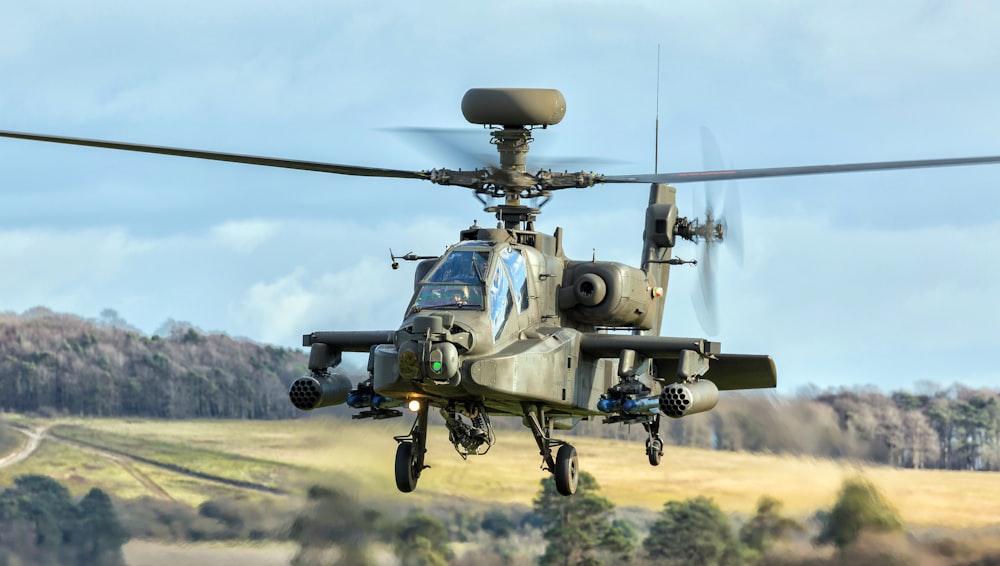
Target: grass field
[(291, 455), (148, 553)]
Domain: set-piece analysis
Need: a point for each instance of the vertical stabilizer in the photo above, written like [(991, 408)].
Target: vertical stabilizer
[(658, 241)]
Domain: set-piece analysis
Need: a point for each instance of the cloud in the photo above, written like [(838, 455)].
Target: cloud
[(885, 49), (848, 277), (39, 264), (346, 285), (244, 236), (852, 305), (280, 310)]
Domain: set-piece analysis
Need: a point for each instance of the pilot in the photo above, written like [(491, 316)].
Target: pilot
[(461, 296)]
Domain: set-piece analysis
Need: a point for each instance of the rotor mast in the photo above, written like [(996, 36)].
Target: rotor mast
[(513, 143), (512, 112)]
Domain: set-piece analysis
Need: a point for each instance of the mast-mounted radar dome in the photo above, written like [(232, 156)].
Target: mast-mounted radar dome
[(514, 107)]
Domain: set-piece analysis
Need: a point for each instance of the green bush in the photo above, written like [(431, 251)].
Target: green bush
[(859, 507)]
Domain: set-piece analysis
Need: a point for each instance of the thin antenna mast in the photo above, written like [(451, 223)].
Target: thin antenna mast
[(656, 136)]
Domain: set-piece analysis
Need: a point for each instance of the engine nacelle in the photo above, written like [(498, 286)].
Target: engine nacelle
[(680, 399), (312, 392), (606, 293)]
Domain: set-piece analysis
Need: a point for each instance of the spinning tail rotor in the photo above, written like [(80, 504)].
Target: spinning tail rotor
[(722, 222)]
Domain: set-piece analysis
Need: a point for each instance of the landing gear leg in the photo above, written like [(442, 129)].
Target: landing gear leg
[(410, 453), (565, 466), (654, 445)]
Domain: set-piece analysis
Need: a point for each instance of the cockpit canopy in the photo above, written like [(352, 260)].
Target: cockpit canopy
[(477, 275), (455, 282)]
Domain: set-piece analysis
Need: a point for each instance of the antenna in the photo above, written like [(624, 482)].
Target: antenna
[(656, 136)]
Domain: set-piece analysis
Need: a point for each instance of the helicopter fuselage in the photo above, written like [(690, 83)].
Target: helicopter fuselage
[(503, 323), (485, 326)]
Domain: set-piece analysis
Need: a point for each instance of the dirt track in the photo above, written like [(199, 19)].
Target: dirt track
[(124, 460), (28, 448)]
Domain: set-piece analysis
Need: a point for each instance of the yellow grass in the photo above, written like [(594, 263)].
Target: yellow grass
[(76, 470), (149, 553), (360, 454)]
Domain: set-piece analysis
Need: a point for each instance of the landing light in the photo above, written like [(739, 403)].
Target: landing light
[(413, 405)]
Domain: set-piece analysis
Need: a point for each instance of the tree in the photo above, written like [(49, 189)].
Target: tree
[(941, 415), (99, 535), (693, 532), (859, 507), (68, 364), (46, 503), (576, 523), (422, 540), (334, 529), (976, 419), (620, 540), (40, 524), (498, 523), (767, 526), (921, 443)]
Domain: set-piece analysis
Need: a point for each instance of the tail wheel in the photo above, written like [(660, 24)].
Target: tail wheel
[(654, 450), (407, 473), (567, 470)]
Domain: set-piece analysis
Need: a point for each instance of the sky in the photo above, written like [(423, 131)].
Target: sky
[(888, 279)]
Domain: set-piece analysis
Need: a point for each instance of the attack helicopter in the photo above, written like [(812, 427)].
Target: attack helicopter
[(503, 323)]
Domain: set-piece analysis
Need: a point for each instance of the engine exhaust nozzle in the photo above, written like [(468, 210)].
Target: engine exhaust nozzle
[(312, 392)]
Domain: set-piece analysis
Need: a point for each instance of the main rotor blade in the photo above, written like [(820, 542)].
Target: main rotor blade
[(456, 145), (702, 176), (231, 157)]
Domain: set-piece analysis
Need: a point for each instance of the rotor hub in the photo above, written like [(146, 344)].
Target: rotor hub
[(513, 144)]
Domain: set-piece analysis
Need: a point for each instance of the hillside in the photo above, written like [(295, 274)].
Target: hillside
[(192, 461), (68, 365), (64, 365)]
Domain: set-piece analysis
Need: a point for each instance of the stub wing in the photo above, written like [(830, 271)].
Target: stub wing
[(742, 371), (673, 356), (326, 348)]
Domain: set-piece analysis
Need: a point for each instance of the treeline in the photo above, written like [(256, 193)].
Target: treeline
[(945, 428), (41, 524), (66, 364), (69, 365), (861, 528)]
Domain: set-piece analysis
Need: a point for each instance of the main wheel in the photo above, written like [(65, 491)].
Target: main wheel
[(654, 450), (567, 470), (407, 473)]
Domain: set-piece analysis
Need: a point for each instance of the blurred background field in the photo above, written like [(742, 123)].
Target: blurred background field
[(193, 461)]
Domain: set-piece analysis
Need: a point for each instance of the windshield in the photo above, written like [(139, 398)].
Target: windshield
[(449, 296), (456, 282), (518, 276), (500, 299), (461, 266)]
